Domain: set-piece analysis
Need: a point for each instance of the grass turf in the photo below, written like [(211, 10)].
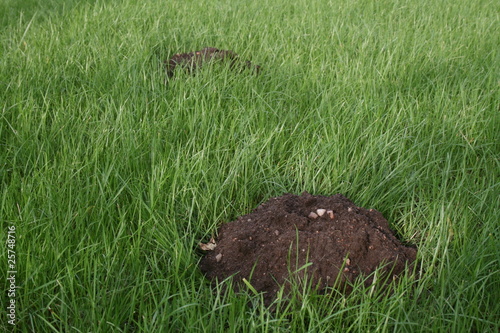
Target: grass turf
[(111, 177)]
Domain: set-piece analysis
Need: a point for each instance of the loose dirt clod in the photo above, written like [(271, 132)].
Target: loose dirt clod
[(284, 234), (194, 60)]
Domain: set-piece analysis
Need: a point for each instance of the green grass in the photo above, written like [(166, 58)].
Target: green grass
[(112, 177)]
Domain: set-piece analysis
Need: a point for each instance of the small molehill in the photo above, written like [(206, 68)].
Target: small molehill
[(338, 240), (192, 61)]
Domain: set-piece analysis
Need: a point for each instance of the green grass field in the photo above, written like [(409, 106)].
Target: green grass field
[(111, 177)]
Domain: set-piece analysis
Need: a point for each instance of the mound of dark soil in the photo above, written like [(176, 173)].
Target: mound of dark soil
[(338, 241), (194, 60)]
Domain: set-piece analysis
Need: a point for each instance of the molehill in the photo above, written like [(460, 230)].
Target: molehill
[(191, 61), (333, 240)]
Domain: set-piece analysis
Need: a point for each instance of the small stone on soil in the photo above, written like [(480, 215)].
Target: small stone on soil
[(313, 215), (208, 246), (321, 212)]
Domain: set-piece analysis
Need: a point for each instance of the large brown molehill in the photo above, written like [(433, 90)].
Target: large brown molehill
[(345, 242)]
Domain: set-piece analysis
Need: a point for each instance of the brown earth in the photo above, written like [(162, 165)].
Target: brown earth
[(338, 240), (194, 60)]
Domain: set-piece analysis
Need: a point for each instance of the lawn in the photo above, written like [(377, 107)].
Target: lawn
[(110, 176)]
